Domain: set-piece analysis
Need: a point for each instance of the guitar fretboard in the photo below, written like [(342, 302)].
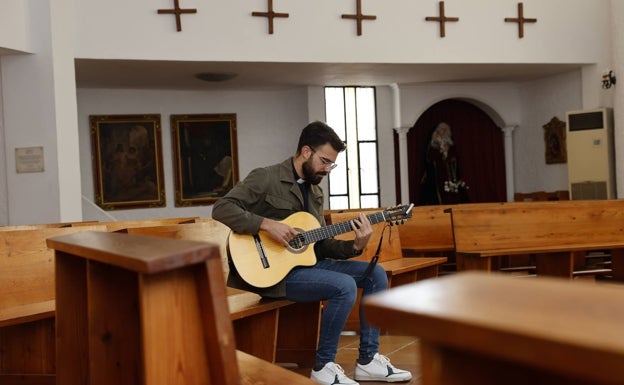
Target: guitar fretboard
[(315, 235)]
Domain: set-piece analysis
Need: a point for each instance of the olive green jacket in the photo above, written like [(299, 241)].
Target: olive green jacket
[(273, 192)]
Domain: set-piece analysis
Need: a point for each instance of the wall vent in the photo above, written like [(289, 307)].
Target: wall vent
[(589, 190)]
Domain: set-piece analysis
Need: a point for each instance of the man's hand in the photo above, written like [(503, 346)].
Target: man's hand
[(363, 231), (279, 231)]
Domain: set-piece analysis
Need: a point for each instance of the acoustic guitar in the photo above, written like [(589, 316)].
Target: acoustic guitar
[(262, 262)]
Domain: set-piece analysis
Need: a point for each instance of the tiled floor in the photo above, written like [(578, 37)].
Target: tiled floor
[(401, 350)]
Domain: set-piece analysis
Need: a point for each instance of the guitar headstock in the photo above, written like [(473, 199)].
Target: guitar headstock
[(397, 215)]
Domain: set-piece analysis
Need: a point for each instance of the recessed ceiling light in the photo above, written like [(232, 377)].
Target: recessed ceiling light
[(215, 76)]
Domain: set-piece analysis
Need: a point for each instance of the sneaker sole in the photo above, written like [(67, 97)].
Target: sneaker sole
[(382, 379)]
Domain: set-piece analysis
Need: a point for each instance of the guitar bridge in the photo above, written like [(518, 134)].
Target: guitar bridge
[(263, 258)]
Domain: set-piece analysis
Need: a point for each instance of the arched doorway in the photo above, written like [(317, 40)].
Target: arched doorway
[(478, 149)]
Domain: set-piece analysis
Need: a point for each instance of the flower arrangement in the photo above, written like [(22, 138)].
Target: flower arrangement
[(453, 186)]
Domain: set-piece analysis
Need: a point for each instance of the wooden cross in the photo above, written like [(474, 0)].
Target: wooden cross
[(442, 19), (520, 20), (270, 15), (177, 11), (359, 17)]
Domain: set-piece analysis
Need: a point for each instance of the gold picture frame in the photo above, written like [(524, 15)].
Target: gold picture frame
[(126, 151), (555, 141), (205, 157)]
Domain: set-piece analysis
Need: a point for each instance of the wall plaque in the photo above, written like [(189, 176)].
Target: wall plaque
[(28, 159)]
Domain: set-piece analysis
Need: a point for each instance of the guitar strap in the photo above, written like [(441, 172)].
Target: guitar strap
[(373, 260)]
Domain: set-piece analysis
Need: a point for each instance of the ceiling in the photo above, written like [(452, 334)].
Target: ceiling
[(139, 74)]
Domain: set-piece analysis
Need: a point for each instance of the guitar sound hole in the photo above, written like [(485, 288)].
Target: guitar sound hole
[(297, 242)]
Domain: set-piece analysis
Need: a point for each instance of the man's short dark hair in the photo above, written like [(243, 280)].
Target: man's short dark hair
[(317, 134)]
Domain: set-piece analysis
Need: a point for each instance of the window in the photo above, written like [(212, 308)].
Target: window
[(350, 111)]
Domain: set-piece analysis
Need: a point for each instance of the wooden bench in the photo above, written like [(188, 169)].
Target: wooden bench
[(27, 303), (138, 309), (429, 233), (480, 329), (558, 233), (400, 270), (559, 195), (120, 225), (263, 327)]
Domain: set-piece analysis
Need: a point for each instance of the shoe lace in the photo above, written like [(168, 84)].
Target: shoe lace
[(384, 360), (337, 370)]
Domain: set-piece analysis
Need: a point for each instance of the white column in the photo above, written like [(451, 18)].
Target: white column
[(509, 163), (402, 131)]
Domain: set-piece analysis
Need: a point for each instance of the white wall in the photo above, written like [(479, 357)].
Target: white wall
[(14, 26), (37, 90), (541, 100), (269, 124), (315, 31)]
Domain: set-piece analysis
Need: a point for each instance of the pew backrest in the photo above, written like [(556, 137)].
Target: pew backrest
[(204, 231), (523, 225), (27, 265), (124, 224)]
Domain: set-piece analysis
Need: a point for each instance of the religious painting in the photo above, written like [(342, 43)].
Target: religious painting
[(555, 141), (204, 157), (127, 161)]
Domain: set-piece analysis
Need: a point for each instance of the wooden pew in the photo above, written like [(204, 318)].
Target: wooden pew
[(558, 233), (400, 270), (138, 309), (429, 233), (27, 304), (559, 195), (120, 225), (263, 327), (481, 329)]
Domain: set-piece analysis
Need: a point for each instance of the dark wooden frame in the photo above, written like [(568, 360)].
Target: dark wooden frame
[(127, 161), (555, 141), (205, 157)]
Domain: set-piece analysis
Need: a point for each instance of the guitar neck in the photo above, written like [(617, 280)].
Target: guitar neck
[(329, 231)]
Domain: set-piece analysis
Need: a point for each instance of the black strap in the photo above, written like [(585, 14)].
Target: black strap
[(373, 260)]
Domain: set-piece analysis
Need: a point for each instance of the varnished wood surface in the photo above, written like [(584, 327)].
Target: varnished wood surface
[(539, 225), (27, 264), (139, 253), (203, 230), (558, 233), (256, 319), (570, 329), (120, 225), (121, 320), (19, 314), (254, 371)]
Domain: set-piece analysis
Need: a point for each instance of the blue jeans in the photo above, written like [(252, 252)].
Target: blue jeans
[(337, 281)]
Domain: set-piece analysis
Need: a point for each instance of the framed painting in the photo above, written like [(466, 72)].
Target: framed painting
[(555, 141), (127, 161), (205, 157)]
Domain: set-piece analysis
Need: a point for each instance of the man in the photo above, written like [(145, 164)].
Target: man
[(270, 194)]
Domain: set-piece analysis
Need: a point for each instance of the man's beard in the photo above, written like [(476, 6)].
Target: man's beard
[(309, 175)]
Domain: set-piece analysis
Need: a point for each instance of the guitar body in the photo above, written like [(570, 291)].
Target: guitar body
[(263, 262)]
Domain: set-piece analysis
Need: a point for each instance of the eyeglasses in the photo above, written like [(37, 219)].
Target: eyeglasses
[(328, 164)]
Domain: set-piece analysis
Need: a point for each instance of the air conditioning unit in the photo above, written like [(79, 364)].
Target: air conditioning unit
[(591, 162)]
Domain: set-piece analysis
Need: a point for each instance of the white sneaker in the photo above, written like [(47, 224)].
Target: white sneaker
[(331, 374), (380, 369)]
